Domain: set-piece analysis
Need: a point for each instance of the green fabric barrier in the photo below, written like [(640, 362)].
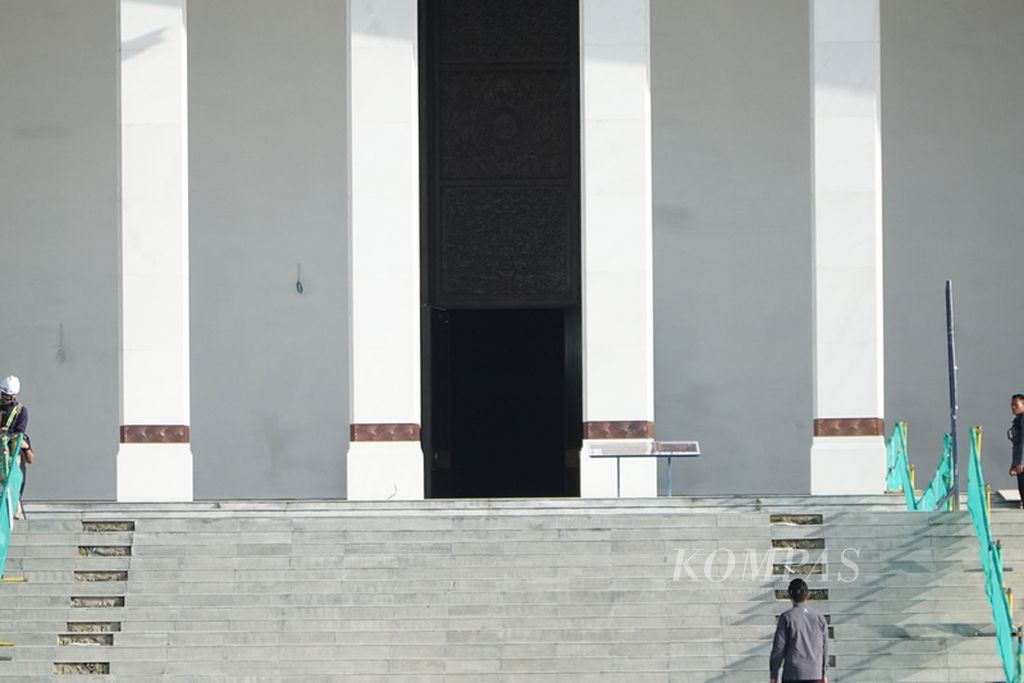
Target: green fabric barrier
[(1009, 648), (1010, 653), (898, 472), (898, 466), (11, 492), (942, 482)]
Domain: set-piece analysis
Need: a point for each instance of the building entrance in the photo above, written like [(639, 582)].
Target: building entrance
[(500, 247), (508, 403)]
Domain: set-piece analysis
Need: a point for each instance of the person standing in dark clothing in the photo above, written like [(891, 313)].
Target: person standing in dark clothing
[(1016, 436), (14, 421), (800, 646)]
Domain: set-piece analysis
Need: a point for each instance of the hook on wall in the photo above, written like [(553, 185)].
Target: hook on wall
[(298, 278), (61, 354)]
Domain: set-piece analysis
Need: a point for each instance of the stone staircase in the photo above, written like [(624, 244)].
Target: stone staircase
[(681, 589)]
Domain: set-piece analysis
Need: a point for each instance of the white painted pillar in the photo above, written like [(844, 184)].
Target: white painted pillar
[(618, 332), (385, 459), (154, 462), (848, 452)]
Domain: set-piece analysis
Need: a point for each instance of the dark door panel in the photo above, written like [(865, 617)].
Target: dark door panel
[(500, 246)]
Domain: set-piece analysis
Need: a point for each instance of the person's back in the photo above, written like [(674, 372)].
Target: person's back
[(800, 646)]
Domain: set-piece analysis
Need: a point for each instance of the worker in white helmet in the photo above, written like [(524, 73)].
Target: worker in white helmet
[(14, 421)]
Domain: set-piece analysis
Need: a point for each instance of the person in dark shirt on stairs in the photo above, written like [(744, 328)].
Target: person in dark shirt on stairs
[(1016, 437), (800, 646)]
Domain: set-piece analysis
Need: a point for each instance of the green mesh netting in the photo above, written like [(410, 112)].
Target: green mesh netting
[(897, 477), (942, 482), (898, 472), (1010, 650), (992, 566), (12, 489)]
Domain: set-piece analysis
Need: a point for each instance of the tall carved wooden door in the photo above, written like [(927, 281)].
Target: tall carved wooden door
[(500, 245)]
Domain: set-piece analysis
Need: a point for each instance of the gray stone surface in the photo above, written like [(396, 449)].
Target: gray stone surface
[(58, 222), (567, 590), (952, 92), (268, 191), (731, 93)]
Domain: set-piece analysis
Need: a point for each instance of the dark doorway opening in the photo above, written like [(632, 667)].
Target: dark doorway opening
[(506, 405), (508, 398)]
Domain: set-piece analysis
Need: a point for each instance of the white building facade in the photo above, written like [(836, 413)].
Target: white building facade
[(245, 249)]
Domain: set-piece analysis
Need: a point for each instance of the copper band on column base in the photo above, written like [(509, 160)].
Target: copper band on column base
[(849, 426), (154, 434), (618, 429), (384, 432)]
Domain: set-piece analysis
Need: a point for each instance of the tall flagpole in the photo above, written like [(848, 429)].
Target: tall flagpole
[(951, 355)]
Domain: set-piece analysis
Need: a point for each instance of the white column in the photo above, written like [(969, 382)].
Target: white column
[(154, 462), (848, 452), (385, 460), (618, 348)]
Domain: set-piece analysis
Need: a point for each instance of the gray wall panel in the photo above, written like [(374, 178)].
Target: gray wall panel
[(733, 306), (953, 173), (58, 237), (732, 237), (268, 183)]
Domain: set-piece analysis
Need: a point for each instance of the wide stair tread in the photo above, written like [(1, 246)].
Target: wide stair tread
[(529, 590)]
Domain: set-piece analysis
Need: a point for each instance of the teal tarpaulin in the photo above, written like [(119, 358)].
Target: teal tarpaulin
[(1010, 650), (942, 482), (897, 476), (898, 472), (11, 492), (992, 565)]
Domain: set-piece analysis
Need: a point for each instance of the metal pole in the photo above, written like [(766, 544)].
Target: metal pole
[(951, 352)]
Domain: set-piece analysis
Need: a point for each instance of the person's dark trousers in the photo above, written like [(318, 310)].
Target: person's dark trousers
[(24, 478), (1020, 487), (812, 680)]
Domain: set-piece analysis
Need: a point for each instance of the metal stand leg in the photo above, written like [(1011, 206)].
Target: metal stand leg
[(618, 478)]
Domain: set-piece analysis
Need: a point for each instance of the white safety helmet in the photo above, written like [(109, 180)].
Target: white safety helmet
[(11, 385)]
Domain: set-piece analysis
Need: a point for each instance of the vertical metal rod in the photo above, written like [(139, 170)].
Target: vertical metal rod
[(951, 353), (670, 476), (618, 477)]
